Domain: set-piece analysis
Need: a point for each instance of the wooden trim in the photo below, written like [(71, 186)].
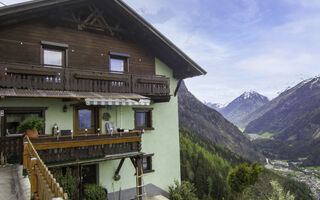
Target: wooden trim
[(54, 44), (32, 71), (112, 53), (154, 81), (85, 75), (84, 143)]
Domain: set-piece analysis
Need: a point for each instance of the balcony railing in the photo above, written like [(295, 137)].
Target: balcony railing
[(43, 184), (11, 148), (23, 76), (70, 149)]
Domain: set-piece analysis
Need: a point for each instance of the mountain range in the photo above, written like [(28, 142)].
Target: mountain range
[(239, 110), (209, 123), (293, 118)]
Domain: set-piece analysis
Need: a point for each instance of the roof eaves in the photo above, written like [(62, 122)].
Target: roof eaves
[(161, 36)]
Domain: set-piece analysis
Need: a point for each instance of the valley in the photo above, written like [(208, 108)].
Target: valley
[(294, 170)]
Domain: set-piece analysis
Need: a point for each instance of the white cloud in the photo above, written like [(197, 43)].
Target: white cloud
[(305, 3)]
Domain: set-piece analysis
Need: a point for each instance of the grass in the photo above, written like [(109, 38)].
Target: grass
[(302, 158), (241, 129), (267, 135), (314, 168)]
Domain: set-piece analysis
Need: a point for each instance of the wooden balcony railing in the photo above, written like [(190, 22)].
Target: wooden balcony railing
[(11, 149), (43, 185), (23, 76), (68, 149)]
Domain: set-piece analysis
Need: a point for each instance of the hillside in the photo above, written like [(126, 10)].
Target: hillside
[(207, 164), (198, 117), (294, 119), (292, 105), (239, 110)]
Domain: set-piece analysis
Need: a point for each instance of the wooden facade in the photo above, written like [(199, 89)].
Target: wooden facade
[(86, 51)]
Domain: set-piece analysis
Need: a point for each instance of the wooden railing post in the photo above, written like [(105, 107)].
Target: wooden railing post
[(33, 178), (25, 155)]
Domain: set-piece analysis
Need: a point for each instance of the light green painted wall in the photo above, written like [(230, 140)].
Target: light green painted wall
[(163, 141), (54, 112)]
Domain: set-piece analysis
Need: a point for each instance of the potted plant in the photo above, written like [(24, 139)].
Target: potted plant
[(30, 126)]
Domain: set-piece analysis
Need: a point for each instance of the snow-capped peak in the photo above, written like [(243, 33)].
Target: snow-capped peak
[(247, 94)]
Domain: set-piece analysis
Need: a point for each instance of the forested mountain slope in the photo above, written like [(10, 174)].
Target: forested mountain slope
[(206, 121), (207, 164)]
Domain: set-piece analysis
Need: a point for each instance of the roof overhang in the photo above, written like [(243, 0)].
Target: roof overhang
[(88, 96), (182, 65)]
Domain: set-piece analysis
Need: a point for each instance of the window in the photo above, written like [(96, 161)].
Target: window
[(116, 65), (54, 54), (118, 62), (86, 118), (143, 118), (52, 57), (13, 116), (147, 163)]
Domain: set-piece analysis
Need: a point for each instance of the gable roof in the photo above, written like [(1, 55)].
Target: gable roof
[(163, 48)]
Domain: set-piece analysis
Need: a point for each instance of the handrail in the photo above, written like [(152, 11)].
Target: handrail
[(43, 185), (24, 76)]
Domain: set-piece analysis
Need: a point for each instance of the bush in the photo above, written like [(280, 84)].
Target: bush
[(185, 191), (31, 123), (94, 192), (68, 182), (243, 176)]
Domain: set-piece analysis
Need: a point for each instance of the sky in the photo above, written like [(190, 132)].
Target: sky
[(265, 46)]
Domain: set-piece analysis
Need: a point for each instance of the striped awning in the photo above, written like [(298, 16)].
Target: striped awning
[(117, 102)]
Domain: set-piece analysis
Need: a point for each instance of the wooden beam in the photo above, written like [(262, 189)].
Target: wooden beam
[(116, 176), (83, 143), (178, 86), (133, 162)]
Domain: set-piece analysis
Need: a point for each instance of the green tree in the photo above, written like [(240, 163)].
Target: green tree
[(243, 176), (278, 193), (185, 191)]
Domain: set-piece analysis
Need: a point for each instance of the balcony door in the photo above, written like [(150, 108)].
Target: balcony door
[(86, 118)]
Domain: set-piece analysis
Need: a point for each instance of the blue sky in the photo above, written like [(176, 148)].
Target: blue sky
[(244, 45)]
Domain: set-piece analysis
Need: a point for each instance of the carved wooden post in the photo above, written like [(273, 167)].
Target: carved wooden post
[(33, 178), (25, 158)]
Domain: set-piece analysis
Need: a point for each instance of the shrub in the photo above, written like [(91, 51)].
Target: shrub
[(243, 176), (185, 191), (31, 123), (68, 182), (94, 192)]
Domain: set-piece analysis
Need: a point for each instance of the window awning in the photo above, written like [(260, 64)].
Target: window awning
[(90, 98), (117, 102)]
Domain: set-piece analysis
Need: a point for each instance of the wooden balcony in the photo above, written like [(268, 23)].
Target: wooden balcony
[(65, 150), (22, 76)]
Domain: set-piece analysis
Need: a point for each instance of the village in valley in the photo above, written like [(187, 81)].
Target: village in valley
[(311, 177)]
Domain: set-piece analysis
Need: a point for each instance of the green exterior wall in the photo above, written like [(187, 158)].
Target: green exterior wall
[(163, 141), (54, 112)]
